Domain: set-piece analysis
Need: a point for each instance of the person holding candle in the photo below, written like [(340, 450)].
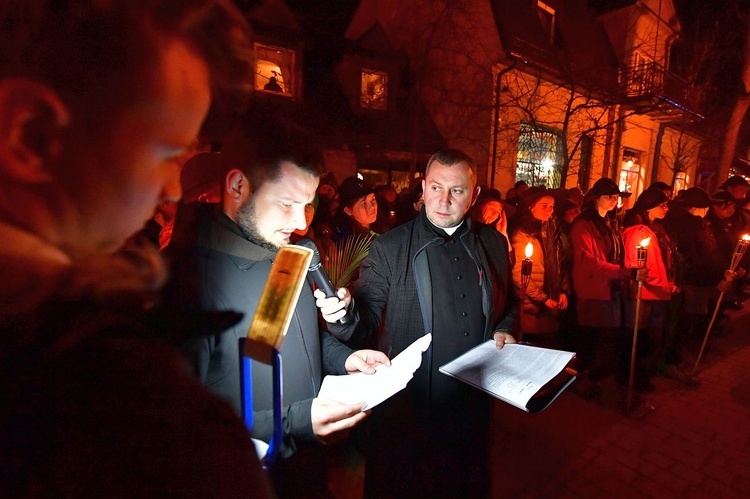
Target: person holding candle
[(598, 276), (698, 269), (655, 272), (728, 229), (548, 288)]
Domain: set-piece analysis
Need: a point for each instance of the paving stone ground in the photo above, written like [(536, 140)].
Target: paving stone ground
[(695, 444)]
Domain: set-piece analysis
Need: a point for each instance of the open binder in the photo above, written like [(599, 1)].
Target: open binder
[(524, 376)]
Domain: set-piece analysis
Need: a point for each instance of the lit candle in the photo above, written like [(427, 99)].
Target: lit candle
[(526, 265)]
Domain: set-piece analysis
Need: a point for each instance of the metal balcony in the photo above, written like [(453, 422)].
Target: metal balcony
[(655, 89)]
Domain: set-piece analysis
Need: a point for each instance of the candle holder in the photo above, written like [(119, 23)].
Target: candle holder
[(739, 253), (641, 253), (526, 265)]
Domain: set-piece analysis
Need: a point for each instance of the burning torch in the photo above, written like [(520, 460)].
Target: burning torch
[(641, 253), (526, 265), (739, 252)]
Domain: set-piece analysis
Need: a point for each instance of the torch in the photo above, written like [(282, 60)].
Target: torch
[(739, 252), (526, 265), (641, 252)]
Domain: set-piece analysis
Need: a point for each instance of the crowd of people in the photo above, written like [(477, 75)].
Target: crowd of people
[(120, 364), (581, 292)]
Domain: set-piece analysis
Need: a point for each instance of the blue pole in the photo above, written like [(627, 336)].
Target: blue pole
[(246, 385), (278, 402)]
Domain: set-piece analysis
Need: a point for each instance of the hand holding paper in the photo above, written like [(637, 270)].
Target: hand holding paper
[(375, 388)]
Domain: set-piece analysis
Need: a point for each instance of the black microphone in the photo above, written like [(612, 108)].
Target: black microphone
[(318, 273)]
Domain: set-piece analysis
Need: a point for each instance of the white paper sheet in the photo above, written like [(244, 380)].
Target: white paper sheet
[(375, 388), (513, 374)]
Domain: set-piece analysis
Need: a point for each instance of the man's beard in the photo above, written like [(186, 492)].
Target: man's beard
[(247, 220)]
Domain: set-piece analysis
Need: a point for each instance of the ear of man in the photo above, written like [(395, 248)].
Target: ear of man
[(32, 121), (236, 191), (475, 195)]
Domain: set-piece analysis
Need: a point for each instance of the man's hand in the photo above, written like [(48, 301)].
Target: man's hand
[(562, 303), (501, 338), (365, 361), (331, 420), (335, 307)]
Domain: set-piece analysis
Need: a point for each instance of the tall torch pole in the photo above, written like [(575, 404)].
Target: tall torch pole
[(526, 265), (739, 252), (641, 252)]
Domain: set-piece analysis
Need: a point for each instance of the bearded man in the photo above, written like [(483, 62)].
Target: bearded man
[(222, 258)]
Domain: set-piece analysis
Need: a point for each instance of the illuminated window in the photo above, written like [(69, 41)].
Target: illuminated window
[(547, 18), (539, 156), (630, 172), (274, 69), (374, 91)]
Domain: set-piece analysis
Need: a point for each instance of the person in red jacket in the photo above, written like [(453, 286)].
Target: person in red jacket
[(598, 275), (657, 277)]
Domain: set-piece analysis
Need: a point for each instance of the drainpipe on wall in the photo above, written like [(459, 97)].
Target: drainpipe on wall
[(657, 153), (512, 66)]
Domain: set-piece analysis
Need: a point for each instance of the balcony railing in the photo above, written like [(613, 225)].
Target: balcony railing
[(650, 80)]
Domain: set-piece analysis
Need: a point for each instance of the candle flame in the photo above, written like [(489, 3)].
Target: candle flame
[(746, 237), (529, 250), (645, 242)]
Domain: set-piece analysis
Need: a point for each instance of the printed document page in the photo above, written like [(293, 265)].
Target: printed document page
[(375, 388), (513, 374)]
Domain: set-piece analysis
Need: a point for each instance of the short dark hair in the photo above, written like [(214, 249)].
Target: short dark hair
[(81, 48), (259, 153), (450, 157)]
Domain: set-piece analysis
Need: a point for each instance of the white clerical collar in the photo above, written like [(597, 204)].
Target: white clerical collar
[(449, 230)]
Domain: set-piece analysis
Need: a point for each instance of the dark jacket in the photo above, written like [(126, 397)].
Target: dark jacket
[(96, 400), (420, 435), (215, 266), (395, 278), (726, 232), (699, 254)]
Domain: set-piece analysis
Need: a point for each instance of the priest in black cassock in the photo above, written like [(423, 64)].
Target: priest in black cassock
[(446, 275)]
